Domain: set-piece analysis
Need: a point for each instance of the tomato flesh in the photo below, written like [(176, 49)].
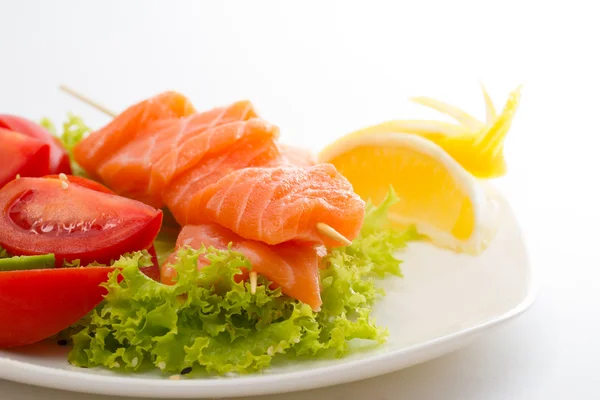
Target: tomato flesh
[(152, 271), (59, 159), (87, 183), (22, 155), (48, 215), (37, 304)]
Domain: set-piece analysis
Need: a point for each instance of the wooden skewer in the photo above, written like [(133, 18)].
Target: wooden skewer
[(87, 100), (331, 233), (322, 227), (253, 281)]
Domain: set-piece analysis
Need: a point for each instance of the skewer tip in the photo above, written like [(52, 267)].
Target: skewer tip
[(253, 282), (86, 100), (331, 233)]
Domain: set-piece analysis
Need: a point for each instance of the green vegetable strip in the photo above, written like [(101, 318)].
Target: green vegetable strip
[(209, 322), (21, 263)]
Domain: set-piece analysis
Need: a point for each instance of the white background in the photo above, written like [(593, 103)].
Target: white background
[(320, 69)]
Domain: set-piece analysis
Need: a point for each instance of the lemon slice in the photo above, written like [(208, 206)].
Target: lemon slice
[(444, 201), (459, 115), (490, 110), (477, 146)]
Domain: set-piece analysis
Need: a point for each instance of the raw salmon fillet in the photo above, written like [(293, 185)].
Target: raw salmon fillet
[(251, 151), (276, 205), (169, 147), (294, 267), (91, 152), (183, 152)]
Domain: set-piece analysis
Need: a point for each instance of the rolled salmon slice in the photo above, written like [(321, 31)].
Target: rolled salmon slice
[(276, 205), (91, 152), (258, 148), (292, 266), (187, 148), (130, 171)]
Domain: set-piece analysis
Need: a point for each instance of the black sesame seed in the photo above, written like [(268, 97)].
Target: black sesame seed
[(62, 342), (186, 370)]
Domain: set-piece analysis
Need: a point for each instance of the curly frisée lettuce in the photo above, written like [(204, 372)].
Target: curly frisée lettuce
[(74, 130), (208, 321)]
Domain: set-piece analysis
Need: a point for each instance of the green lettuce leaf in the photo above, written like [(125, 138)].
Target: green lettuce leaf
[(4, 253), (210, 322), (73, 131), (142, 259)]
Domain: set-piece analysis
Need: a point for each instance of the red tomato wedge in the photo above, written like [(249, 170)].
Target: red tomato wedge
[(48, 215), (153, 271), (23, 155), (59, 159), (37, 304)]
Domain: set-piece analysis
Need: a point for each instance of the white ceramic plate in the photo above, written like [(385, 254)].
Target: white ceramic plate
[(444, 301)]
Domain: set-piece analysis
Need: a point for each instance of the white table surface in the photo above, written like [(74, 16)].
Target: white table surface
[(321, 69)]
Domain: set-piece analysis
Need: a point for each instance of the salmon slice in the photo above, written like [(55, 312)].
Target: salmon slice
[(292, 266), (91, 152), (130, 171), (183, 153), (297, 156), (276, 205), (253, 150)]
